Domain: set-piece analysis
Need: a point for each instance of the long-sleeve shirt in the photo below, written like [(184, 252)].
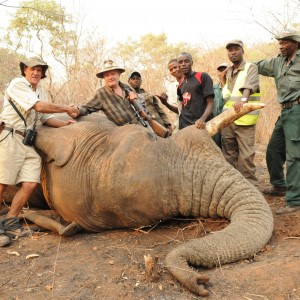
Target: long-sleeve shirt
[(152, 105), (286, 76), (117, 108)]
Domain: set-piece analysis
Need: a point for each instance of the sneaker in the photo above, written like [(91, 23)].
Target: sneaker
[(4, 240), (14, 229), (287, 209), (275, 191)]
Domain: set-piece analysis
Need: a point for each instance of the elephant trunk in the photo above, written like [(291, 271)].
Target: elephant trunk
[(231, 196), (227, 117)]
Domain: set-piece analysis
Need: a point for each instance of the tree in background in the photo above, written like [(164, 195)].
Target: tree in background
[(76, 55), (150, 56)]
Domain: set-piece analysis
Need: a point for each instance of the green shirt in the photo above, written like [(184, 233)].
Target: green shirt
[(287, 77), (218, 99)]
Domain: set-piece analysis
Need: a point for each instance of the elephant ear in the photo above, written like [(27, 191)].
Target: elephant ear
[(55, 144)]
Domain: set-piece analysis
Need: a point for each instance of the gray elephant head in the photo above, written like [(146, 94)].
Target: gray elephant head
[(102, 176)]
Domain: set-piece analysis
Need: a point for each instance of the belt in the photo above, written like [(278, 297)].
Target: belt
[(289, 104), (22, 133)]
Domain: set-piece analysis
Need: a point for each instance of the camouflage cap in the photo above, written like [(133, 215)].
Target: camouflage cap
[(32, 62), (288, 34)]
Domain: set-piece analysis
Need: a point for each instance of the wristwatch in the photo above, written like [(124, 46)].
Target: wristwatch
[(244, 99)]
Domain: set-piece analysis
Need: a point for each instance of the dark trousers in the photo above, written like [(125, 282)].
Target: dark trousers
[(284, 145)]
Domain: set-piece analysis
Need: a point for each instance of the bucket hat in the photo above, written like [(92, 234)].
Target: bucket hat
[(109, 65), (32, 62), (289, 34)]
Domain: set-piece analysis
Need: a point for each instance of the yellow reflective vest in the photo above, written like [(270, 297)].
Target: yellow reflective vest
[(231, 97)]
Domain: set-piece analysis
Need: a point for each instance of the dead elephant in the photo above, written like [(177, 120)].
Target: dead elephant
[(99, 176)]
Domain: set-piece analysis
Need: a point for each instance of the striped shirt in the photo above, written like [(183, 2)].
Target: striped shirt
[(116, 108)]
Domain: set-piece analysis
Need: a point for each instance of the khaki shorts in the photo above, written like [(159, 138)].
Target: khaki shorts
[(18, 163)]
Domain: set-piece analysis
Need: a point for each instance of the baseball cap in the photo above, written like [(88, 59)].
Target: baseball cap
[(235, 43), (223, 65), (134, 73)]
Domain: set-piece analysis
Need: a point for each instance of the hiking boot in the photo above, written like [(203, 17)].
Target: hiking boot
[(14, 229), (4, 210), (287, 209), (275, 191), (4, 239)]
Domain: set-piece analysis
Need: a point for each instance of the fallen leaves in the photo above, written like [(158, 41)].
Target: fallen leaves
[(13, 253), (32, 256), (29, 256)]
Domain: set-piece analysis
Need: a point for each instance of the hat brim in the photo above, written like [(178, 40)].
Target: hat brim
[(100, 74), (233, 44), (289, 37), (33, 64)]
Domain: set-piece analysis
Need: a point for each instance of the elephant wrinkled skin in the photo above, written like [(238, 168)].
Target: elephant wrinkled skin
[(101, 176)]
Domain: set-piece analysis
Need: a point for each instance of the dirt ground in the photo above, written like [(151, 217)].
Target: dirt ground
[(111, 265)]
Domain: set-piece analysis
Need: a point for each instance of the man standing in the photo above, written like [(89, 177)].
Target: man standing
[(196, 94), (20, 163), (177, 74), (218, 99), (284, 144), (150, 102), (238, 139)]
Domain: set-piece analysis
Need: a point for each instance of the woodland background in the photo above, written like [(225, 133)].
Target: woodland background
[(75, 55)]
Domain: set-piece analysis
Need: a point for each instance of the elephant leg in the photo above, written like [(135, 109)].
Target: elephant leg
[(51, 224)]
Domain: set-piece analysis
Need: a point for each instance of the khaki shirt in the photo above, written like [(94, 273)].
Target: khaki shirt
[(252, 80), (287, 76), (24, 97)]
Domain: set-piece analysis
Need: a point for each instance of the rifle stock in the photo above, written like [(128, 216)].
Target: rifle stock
[(157, 128)]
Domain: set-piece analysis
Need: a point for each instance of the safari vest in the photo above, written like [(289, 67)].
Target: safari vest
[(231, 97)]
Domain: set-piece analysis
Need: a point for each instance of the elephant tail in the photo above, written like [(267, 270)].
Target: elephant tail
[(250, 229)]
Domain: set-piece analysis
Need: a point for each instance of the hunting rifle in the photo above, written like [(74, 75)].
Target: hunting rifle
[(144, 118)]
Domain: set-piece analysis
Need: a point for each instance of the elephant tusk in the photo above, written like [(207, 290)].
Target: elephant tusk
[(227, 117)]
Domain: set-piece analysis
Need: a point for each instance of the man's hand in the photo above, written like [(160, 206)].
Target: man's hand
[(200, 124), (73, 111), (69, 122), (132, 96), (237, 106), (163, 97), (169, 127)]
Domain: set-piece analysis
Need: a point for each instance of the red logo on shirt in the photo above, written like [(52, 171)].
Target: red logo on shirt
[(186, 98)]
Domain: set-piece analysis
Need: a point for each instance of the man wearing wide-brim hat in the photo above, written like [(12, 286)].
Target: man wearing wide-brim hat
[(284, 145), (25, 101), (113, 97)]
